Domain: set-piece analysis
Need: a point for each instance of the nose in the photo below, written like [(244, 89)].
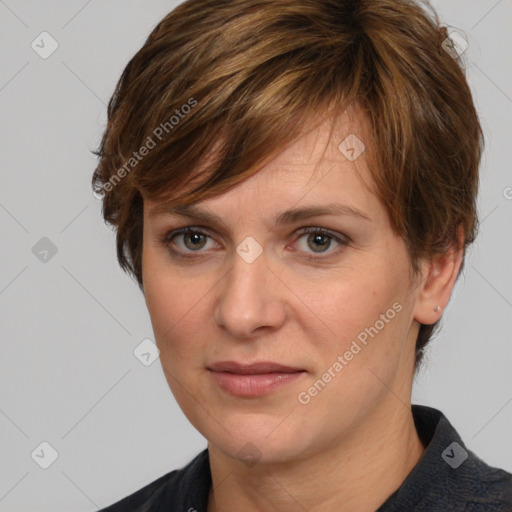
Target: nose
[(250, 299)]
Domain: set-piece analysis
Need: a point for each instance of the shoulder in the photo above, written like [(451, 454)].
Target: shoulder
[(449, 476), (486, 488), (181, 489), (472, 482)]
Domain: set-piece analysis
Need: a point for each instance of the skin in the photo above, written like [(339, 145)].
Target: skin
[(354, 443)]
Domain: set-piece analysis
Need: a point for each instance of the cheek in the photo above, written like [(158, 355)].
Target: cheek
[(167, 306), (177, 307), (166, 295), (368, 319), (362, 350), (178, 311), (350, 307)]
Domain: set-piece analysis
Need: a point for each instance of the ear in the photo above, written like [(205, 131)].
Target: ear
[(439, 276)]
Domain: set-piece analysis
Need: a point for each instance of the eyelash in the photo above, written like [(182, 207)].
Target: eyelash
[(166, 240)]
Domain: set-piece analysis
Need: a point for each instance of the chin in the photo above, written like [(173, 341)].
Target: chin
[(260, 438)]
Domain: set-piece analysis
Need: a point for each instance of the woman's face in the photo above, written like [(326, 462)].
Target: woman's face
[(337, 307)]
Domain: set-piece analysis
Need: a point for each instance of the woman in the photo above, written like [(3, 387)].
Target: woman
[(293, 186)]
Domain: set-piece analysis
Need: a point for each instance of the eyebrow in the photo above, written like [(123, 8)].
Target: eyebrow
[(285, 217)]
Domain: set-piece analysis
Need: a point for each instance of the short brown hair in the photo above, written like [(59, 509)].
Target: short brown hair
[(245, 76)]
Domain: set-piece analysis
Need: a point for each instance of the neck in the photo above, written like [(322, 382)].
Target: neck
[(355, 473)]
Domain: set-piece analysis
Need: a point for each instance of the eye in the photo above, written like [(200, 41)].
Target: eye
[(321, 239), (193, 240)]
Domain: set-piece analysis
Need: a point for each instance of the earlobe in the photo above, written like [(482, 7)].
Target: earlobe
[(439, 277)]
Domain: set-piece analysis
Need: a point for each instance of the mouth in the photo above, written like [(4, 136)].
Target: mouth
[(251, 380)]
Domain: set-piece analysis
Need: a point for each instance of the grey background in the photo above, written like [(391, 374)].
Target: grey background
[(69, 326)]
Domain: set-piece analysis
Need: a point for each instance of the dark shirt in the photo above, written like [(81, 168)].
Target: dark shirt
[(447, 478)]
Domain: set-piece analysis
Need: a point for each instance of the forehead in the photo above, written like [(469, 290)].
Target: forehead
[(329, 160), (343, 140)]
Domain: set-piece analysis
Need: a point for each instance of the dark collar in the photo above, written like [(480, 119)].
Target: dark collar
[(448, 476)]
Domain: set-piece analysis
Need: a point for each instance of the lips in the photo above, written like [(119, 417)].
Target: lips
[(252, 369), (253, 380)]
